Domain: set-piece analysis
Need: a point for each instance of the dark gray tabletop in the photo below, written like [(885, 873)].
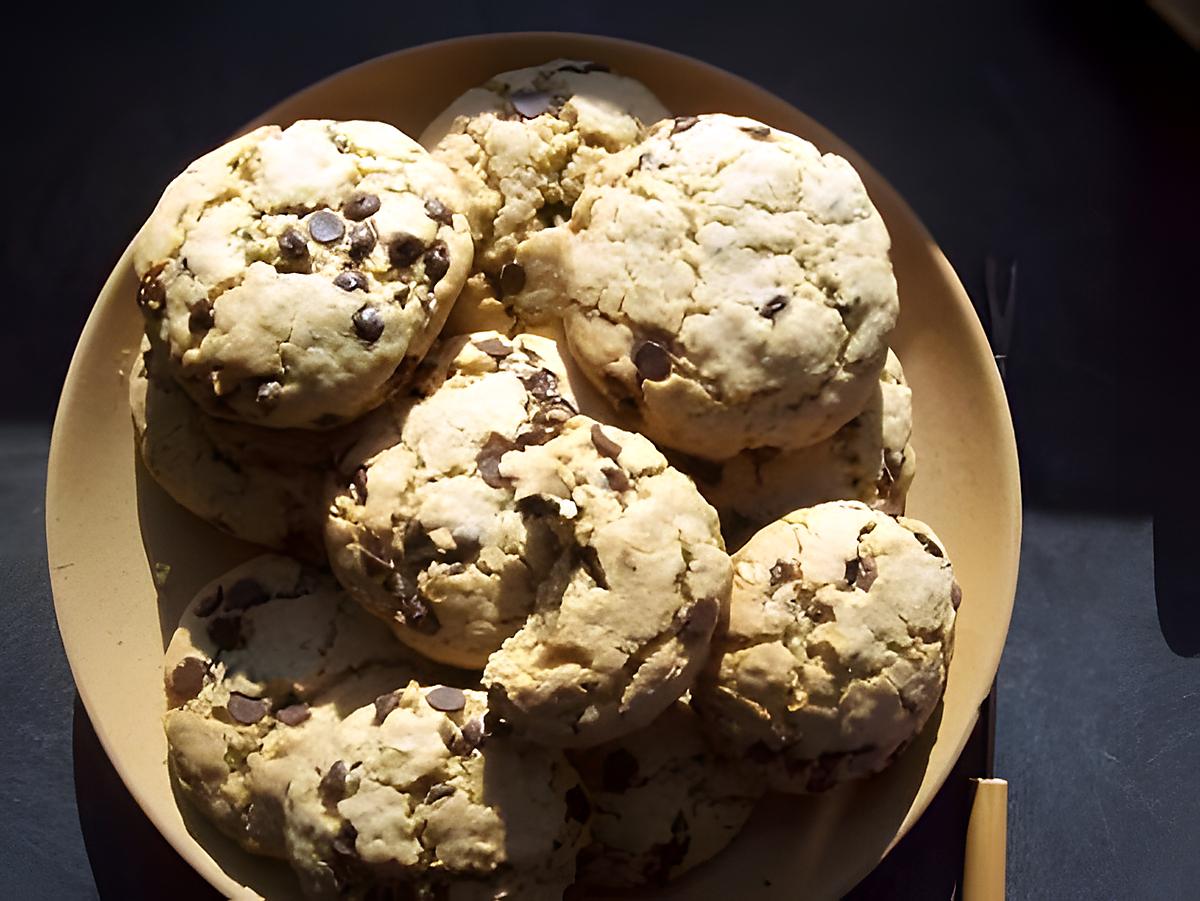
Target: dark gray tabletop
[(1063, 135)]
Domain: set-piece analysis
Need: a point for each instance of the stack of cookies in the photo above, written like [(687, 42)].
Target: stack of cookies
[(500, 405)]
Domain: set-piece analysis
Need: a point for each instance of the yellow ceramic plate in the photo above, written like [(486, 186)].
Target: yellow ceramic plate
[(113, 534)]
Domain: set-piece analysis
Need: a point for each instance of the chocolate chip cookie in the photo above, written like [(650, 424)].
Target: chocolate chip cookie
[(729, 286), (839, 637), (523, 144), (296, 276)]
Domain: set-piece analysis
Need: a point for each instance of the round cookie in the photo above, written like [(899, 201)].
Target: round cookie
[(522, 145), (868, 459), (424, 531), (839, 638), (260, 485), (297, 276), (730, 286), (662, 802), (420, 803), (265, 660)]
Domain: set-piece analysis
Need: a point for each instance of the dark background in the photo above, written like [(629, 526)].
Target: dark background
[(1064, 135)]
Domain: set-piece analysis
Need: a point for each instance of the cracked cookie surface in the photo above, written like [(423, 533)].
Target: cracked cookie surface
[(522, 145), (265, 661), (260, 485), (415, 800), (662, 802), (730, 286), (869, 459), (296, 276), (840, 634)]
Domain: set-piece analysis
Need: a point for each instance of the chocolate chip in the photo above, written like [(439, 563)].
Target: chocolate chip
[(543, 384), (404, 249), (325, 227), (868, 572), (209, 605), (578, 806), (439, 791), (268, 394), (417, 615), (344, 842), (332, 787), (385, 704), (493, 347), (589, 558), (437, 262), (531, 104), (955, 594), (818, 611), (351, 280), (362, 240), (359, 484), (929, 544), (200, 319), (446, 699), (535, 436), (293, 714), (604, 444), (683, 123), (652, 361), (226, 632), (618, 771), (617, 480), (472, 734), (487, 461), (368, 323), (757, 131), (438, 211), (292, 245), (188, 677), (360, 206), (246, 711), (512, 279), (772, 307), (851, 575), (245, 593), (785, 571), (151, 294)]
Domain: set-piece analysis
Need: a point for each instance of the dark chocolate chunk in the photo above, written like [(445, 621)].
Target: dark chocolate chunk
[(200, 319), (245, 593), (351, 280), (344, 842), (578, 806), (439, 791), (851, 575), (683, 123), (472, 734), (531, 104), (151, 294), (589, 558), (188, 677), (543, 384), (404, 249), (929, 544), (293, 714), (368, 323), (268, 394), (955, 594), (246, 711), (488, 459), (652, 361), (360, 206), (617, 480), (417, 615), (326, 227), (437, 262), (292, 245), (784, 571), (209, 605), (867, 573), (757, 131), (226, 632), (360, 484), (493, 347), (362, 240), (332, 787), (604, 444), (385, 704), (619, 770), (438, 211), (512, 279), (772, 307), (446, 699)]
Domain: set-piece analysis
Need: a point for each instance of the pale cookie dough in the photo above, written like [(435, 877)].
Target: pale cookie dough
[(260, 485), (869, 459), (296, 277), (840, 634), (424, 531), (418, 801), (522, 145), (729, 285), (662, 802), (266, 659)]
